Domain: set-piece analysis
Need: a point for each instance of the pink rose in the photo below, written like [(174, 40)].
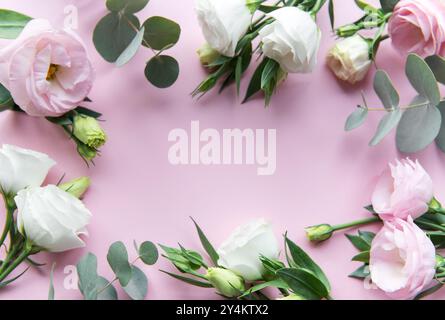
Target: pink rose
[(47, 71), (418, 26), (403, 190), (402, 260)]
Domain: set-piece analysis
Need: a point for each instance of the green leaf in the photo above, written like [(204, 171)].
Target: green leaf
[(362, 257), (113, 34), (88, 112), (177, 258), (208, 247), (361, 273), (331, 14), (440, 139), (302, 260), (105, 290), (87, 273), (191, 281), (6, 101), (367, 236), (386, 91), (51, 283), (356, 119), (117, 258), (422, 79), (437, 65), (162, 71), (304, 283), (148, 253), (161, 33), (131, 50), (418, 127), (12, 23), (388, 122), (127, 6), (388, 5), (358, 242), (276, 283), (137, 286), (269, 72), (238, 73), (255, 82)]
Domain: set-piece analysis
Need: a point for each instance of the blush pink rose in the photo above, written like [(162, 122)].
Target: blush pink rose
[(403, 190), (418, 26), (402, 260), (47, 71)]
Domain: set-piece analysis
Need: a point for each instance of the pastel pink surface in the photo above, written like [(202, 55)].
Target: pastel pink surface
[(323, 174)]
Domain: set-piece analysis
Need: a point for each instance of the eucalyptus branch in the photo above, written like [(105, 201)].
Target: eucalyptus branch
[(419, 105)]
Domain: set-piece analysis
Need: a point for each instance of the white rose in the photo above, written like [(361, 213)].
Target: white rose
[(51, 218), (349, 59), (292, 40), (242, 250), (21, 168), (223, 23)]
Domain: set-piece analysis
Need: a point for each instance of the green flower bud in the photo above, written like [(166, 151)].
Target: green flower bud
[(226, 282), (436, 207), (321, 232), (86, 152), (440, 261), (207, 54), (292, 296), (88, 130), (76, 187), (347, 31)]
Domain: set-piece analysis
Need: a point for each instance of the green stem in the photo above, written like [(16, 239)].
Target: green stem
[(356, 223), (317, 7), (25, 253), (8, 222)]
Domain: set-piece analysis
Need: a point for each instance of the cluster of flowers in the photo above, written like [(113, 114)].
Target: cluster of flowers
[(402, 257), (38, 218), (46, 72), (414, 26)]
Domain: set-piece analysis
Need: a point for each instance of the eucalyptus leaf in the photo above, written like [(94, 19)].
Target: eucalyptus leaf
[(422, 79), (148, 253), (12, 23), (131, 50), (437, 65), (440, 139), (356, 119), (87, 273), (418, 127), (162, 71), (51, 283), (161, 33), (105, 290), (114, 33), (304, 283), (127, 6), (138, 285), (388, 122), (118, 260), (386, 91)]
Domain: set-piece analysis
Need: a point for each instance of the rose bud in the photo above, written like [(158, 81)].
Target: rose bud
[(226, 282), (320, 232)]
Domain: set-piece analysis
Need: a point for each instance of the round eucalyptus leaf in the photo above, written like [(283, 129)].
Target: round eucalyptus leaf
[(440, 140), (148, 253), (161, 33), (138, 285), (105, 290), (422, 78), (127, 6), (113, 34), (162, 71), (437, 65), (356, 119), (87, 273), (385, 90), (131, 50), (418, 127), (118, 260), (388, 122)]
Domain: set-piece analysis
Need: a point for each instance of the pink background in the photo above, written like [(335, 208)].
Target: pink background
[(323, 174)]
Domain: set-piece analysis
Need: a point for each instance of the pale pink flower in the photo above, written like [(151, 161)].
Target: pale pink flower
[(418, 26), (403, 190), (402, 260), (47, 71)]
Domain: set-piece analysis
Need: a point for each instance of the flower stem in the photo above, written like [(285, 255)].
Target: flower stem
[(25, 253), (355, 223)]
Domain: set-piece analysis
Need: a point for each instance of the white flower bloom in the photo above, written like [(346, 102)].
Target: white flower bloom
[(242, 250), (223, 23), (292, 40), (51, 218), (349, 59), (21, 168)]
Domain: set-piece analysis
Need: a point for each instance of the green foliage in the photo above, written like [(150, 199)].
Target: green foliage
[(362, 242), (119, 35), (12, 23)]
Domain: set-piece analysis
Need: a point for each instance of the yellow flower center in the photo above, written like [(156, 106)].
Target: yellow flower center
[(53, 68)]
